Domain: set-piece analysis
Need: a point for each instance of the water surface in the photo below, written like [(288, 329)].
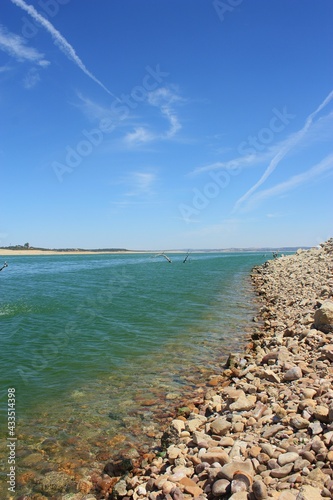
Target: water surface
[(104, 346)]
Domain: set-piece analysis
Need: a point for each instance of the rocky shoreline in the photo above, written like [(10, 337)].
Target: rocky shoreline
[(263, 427)]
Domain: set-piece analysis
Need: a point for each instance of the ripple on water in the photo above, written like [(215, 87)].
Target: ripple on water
[(123, 405)]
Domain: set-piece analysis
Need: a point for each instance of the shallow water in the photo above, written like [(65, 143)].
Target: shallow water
[(101, 348)]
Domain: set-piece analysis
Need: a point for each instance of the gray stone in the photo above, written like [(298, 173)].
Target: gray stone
[(268, 449), (281, 472), (54, 483), (228, 471), (272, 430), (237, 485), (327, 351), (316, 428), (215, 455), (259, 490), (308, 492), (220, 487), (299, 422), (323, 318), (177, 494), (300, 464), (271, 376), (244, 403), (287, 458), (220, 426), (293, 373), (287, 495), (240, 495), (119, 489)]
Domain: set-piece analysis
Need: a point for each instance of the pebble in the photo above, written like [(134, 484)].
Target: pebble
[(308, 492), (259, 490), (243, 403), (220, 487), (293, 373), (281, 472), (262, 427), (215, 455), (220, 426), (287, 458), (229, 470)]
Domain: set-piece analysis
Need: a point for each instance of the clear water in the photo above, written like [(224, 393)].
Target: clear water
[(104, 346)]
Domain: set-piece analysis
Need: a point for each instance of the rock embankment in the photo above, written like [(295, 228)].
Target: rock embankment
[(264, 427)]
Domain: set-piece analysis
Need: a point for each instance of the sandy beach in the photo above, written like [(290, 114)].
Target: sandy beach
[(8, 252), (12, 253)]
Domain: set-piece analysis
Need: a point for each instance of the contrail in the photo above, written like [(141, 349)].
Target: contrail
[(282, 153), (60, 41)]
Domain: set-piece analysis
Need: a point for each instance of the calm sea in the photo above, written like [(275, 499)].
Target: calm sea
[(102, 346)]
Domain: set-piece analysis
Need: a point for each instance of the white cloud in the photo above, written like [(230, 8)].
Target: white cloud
[(164, 99), (140, 183), (31, 79), (16, 47), (321, 130), (140, 135), (295, 181), (275, 215), (289, 144), (59, 40), (4, 69), (93, 110), (244, 161)]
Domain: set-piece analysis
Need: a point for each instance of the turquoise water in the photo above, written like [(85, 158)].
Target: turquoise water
[(86, 340)]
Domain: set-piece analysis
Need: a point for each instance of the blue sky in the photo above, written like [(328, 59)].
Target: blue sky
[(166, 124)]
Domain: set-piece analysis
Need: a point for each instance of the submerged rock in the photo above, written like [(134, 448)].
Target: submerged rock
[(55, 482)]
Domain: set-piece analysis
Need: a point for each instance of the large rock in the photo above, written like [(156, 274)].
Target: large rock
[(287, 458), (293, 373), (54, 483), (327, 351), (281, 472), (215, 455), (309, 493), (323, 318), (259, 490), (244, 403), (220, 426), (220, 487), (229, 470)]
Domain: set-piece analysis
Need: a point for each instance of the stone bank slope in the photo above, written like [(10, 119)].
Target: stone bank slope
[(264, 426)]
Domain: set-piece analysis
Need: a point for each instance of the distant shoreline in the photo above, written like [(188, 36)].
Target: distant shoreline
[(33, 251), (12, 251)]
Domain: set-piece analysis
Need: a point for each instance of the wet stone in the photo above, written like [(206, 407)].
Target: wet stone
[(54, 483)]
